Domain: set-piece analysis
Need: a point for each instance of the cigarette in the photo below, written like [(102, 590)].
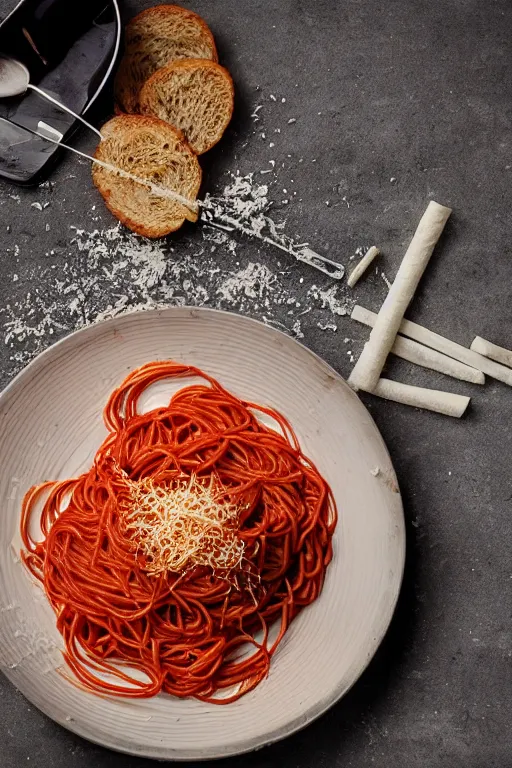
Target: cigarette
[(493, 351), (450, 348), (418, 354), (362, 266), (446, 403), (368, 368)]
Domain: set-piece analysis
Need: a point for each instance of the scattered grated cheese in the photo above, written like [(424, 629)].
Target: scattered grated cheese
[(185, 524)]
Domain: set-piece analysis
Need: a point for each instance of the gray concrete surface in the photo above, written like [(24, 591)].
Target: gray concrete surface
[(418, 92)]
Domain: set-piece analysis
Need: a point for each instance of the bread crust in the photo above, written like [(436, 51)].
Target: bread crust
[(139, 36), (169, 76), (124, 139)]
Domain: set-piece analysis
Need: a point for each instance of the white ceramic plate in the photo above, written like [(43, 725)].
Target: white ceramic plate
[(51, 426)]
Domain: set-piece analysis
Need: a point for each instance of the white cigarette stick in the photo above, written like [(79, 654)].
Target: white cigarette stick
[(418, 354), (446, 403), (493, 351), (368, 368), (447, 347), (362, 266)]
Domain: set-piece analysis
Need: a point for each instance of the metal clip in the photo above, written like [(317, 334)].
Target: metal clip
[(322, 263), (303, 253)]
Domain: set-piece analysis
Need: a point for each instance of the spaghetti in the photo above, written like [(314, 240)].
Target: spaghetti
[(197, 536)]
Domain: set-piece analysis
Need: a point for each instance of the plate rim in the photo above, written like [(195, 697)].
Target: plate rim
[(314, 713)]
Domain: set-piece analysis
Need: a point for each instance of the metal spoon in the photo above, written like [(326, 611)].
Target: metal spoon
[(15, 81)]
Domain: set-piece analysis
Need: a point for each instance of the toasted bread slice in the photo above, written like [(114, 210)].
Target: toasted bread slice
[(195, 96), (150, 149), (154, 38)]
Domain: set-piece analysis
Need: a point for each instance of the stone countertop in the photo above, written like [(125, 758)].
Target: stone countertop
[(367, 111)]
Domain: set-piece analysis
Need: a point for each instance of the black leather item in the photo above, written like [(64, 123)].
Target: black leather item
[(52, 26), (68, 49)]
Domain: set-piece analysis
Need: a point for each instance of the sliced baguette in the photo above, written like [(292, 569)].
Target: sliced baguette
[(149, 149), (195, 96), (154, 38)]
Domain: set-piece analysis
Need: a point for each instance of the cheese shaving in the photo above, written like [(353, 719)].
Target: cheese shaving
[(185, 524)]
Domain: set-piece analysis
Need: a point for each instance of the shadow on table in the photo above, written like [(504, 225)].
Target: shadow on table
[(223, 157)]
